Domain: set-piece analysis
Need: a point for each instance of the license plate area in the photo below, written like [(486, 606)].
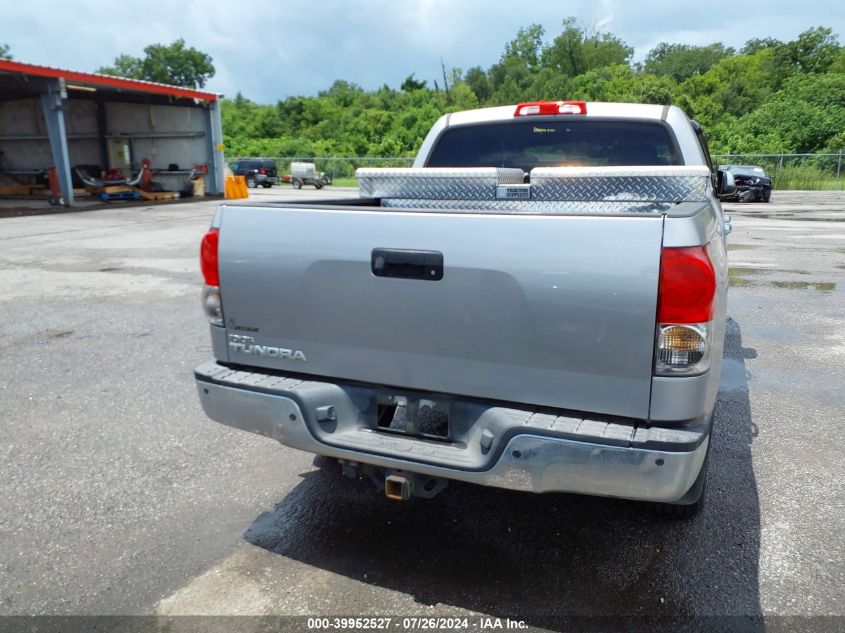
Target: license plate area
[(420, 417)]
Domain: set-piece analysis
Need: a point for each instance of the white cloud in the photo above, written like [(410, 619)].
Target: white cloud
[(274, 49)]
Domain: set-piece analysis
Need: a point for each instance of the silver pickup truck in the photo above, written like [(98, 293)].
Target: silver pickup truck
[(537, 304)]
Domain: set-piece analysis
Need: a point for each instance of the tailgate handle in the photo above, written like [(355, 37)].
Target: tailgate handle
[(407, 264)]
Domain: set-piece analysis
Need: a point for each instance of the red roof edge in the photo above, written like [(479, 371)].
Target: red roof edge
[(138, 85)]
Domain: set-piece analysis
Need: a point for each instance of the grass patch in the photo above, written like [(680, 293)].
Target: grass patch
[(745, 276), (823, 286), (741, 247), (744, 271), (738, 276), (805, 178), (347, 181), (739, 282)]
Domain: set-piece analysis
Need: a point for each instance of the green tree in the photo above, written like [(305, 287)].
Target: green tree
[(657, 90), (772, 97), (806, 115), (814, 51), (527, 46), (463, 97), (549, 85), (479, 83), (4, 52), (509, 80), (576, 51), (604, 49), (758, 44), (512, 75), (735, 86), (175, 64), (682, 61), (838, 65), (410, 84), (343, 92), (127, 66), (564, 54), (611, 83)]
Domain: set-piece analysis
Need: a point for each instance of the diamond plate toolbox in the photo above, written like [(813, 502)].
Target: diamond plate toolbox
[(436, 183), (628, 184), (653, 184)]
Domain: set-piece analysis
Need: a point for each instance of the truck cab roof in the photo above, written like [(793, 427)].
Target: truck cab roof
[(593, 109), (690, 150)]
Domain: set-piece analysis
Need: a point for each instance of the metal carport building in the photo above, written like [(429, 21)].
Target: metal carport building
[(50, 117)]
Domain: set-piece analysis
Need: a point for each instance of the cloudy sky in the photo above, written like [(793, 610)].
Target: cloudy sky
[(271, 49)]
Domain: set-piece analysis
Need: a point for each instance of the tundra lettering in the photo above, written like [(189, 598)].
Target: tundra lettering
[(247, 345)]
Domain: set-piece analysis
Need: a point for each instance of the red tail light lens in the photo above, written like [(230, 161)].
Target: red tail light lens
[(687, 286), (262, 171), (208, 258), (546, 108)]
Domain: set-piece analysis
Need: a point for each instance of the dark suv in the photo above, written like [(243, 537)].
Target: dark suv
[(256, 171)]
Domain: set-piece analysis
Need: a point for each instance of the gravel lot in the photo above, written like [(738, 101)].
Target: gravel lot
[(118, 496)]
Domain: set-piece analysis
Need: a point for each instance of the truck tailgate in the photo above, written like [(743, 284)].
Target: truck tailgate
[(553, 311)]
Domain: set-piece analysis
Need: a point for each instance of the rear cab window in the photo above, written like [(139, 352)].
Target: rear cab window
[(527, 144)]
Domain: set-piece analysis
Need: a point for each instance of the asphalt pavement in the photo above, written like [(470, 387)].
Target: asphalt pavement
[(118, 496)]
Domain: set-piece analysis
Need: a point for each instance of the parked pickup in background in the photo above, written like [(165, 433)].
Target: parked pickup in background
[(537, 304)]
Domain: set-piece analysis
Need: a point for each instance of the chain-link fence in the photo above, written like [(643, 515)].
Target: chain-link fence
[(788, 171), (794, 171)]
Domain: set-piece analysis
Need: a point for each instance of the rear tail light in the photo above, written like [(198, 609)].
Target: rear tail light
[(211, 303), (547, 108), (262, 171), (687, 286), (686, 292), (681, 346), (208, 257)]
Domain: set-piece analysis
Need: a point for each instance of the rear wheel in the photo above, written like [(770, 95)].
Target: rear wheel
[(297, 183), (267, 185), (250, 182)]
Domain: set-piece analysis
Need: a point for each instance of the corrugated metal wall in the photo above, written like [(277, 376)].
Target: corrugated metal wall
[(164, 134)]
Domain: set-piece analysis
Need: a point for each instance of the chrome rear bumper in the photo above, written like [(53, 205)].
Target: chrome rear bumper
[(529, 459)]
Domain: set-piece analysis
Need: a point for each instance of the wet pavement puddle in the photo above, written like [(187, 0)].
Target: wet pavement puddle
[(745, 276)]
